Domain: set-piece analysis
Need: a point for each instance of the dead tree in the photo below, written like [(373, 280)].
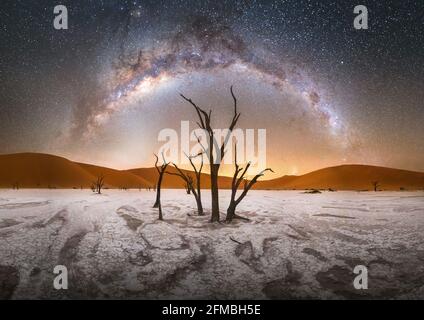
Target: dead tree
[(198, 175), (161, 170), (235, 184), (213, 146), (97, 185), (194, 187), (375, 184)]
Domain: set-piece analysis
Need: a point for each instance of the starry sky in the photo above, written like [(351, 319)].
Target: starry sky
[(327, 94)]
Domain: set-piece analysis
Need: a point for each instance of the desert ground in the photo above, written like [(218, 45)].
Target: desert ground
[(295, 246)]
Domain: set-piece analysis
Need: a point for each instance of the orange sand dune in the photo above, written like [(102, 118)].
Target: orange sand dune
[(35, 170), (349, 177), (30, 170), (116, 178)]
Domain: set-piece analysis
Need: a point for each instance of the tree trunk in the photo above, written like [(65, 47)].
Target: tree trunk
[(157, 202), (214, 193), (199, 199), (160, 211), (231, 211), (199, 206), (187, 187)]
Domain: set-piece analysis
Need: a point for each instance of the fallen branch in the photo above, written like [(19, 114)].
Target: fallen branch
[(232, 239)]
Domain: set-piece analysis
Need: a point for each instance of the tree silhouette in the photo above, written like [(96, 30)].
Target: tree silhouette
[(97, 185), (213, 146), (194, 187), (235, 184), (376, 185), (198, 175), (161, 170)]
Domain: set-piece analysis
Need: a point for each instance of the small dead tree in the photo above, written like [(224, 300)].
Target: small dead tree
[(97, 185), (194, 187), (198, 175), (161, 170), (235, 184), (375, 185), (213, 146)]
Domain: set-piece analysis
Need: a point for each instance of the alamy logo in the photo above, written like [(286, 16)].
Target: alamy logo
[(61, 19), (361, 280), (361, 20), (60, 282), (238, 143)]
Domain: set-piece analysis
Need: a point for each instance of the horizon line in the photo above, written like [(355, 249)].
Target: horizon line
[(135, 168)]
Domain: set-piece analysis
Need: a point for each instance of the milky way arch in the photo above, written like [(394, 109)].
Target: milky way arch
[(201, 46)]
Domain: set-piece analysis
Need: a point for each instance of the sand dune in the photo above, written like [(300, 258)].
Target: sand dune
[(350, 177), (116, 178), (41, 171), (35, 170)]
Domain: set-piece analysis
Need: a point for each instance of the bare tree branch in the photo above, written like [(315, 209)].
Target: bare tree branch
[(236, 181), (201, 144), (188, 179), (200, 112), (156, 163)]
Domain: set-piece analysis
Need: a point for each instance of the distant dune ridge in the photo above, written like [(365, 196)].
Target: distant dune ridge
[(35, 170), (350, 177)]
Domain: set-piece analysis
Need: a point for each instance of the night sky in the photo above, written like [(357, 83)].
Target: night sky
[(327, 94)]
